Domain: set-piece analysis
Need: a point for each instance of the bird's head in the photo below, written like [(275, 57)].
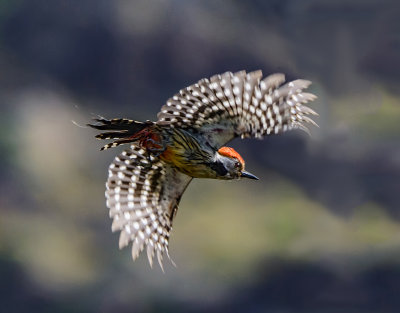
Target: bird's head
[(228, 164)]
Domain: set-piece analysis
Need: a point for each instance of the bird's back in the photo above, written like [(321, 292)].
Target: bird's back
[(188, 152)]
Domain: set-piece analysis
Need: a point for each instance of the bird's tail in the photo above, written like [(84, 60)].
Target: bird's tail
[(122, 130)]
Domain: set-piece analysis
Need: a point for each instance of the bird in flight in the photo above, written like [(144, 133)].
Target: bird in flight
[(146, 181)]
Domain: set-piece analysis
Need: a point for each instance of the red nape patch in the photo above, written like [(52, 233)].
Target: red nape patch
[(230, 152)]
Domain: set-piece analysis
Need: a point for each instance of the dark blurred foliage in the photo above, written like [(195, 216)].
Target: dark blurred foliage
[(319, 233)]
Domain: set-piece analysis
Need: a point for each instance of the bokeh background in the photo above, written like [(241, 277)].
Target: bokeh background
[(320, 232)]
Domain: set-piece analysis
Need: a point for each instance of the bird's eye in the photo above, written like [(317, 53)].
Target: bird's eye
[(237, 164)]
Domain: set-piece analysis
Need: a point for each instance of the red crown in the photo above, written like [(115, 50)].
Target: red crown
[(230, 152)]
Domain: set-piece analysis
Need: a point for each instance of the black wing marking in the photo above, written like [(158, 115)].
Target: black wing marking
[(240, 104), (143, 196)]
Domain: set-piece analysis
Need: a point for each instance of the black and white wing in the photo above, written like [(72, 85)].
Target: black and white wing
[(240, 104), (143, 196)]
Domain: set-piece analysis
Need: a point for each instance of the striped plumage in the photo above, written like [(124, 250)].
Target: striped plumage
[(146, 181), (141, 206)]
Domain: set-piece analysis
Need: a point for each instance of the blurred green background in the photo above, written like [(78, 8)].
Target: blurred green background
[(320, 231)]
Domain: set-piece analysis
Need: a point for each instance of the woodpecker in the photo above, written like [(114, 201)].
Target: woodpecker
[(146, 181)]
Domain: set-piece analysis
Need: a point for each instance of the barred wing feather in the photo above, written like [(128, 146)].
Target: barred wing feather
[(240, 104), (143, 194)]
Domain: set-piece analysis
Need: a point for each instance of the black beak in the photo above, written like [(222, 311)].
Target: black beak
[(248, 175)]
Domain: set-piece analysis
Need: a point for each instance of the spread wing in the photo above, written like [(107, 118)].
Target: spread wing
[(240, 104), (143, 194)]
